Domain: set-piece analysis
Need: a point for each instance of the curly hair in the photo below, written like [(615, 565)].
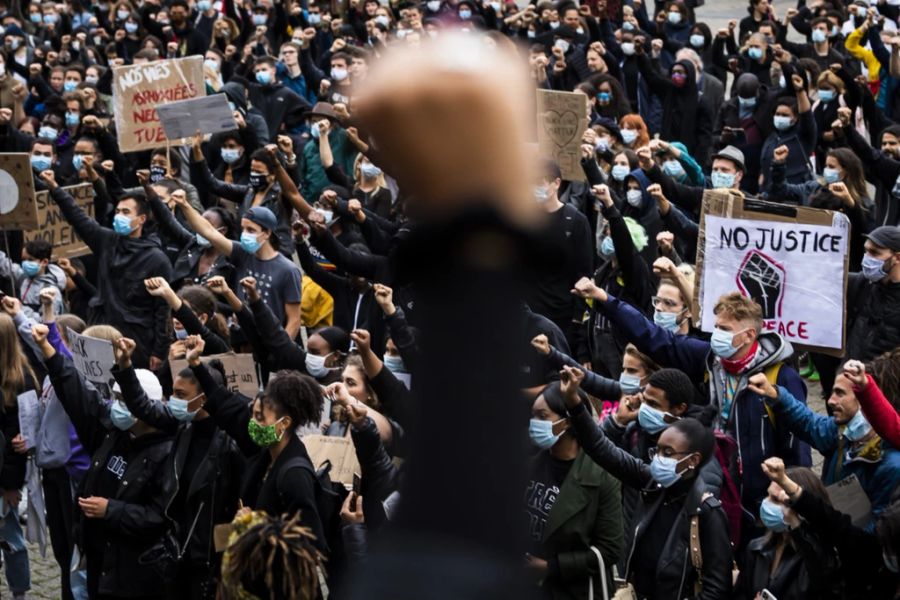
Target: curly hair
[(295, 395)]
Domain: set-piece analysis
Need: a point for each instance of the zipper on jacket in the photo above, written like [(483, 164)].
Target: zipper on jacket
[(631, 553), (762, 432)]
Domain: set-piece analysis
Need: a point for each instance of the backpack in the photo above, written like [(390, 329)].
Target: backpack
[(330, 496)]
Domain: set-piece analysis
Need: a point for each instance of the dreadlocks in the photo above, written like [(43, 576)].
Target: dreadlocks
[(273, 558)]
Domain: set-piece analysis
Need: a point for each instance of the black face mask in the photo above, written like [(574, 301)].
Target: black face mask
[(258, 181), (157, 173)]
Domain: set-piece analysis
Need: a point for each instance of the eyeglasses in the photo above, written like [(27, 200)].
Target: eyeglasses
[(666, 452), (660, 302)]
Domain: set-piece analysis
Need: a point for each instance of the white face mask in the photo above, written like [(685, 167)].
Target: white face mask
[(315, 365)]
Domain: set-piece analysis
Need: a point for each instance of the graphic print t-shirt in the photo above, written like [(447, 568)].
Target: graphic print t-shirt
[(547, 477)]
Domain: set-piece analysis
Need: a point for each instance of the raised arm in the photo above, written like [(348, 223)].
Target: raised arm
[(594, 384), (94, 235), (204, 227), (876, 407), (167, 222), (289, 189), (155, 414)]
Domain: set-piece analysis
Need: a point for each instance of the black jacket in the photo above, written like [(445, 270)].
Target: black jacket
[(135, 520), (275, 102), (283, 489), (874, 319), (675, 575), (808, 569), (212, 496), (123, 263)]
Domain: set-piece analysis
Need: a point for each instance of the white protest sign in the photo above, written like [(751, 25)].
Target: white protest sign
[(795, 271), (29, 409), (208, 114), (94, 359)]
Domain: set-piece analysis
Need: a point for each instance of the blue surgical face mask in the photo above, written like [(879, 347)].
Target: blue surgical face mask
[(831, 175), (673, 168), (721, 343), (249, 242), (873, 268), (48, 132), (315, 365), (264, 77), (202, 241), (664, 469), (179, 409), (260, 19), (627, 26), (369, 170), (314, 131), (747, 102), (122, 225), (620, 172), (77, 161), (818, 35), (204, 5), (630, 384), (40, 162), (181, 334), (212, 64), (604, 98), (629, 135), (394, 364), (718, 179), (858, 427), (697, 40), (541, 194), (666, 320), (131, 27), (31, 267), (465, 15), (826, 95), (634, 197), (772, 516), (607, 248), (51, 18), (754, 52), (122, 14), (674, 18), (230, 155), (781, 122), (70, 86), (72, 119), (651, 420), (35, 17), (541, 434), (121, 417), (602, 144)]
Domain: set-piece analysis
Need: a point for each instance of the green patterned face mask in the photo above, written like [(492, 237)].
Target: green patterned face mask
[(263, 435)]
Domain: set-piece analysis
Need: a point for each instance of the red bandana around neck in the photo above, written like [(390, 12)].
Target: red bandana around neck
[(736, 366)]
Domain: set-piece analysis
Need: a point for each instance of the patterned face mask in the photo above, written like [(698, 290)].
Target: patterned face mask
[(264, 435)]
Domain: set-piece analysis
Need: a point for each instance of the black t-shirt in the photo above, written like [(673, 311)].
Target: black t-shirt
[(547, 476)]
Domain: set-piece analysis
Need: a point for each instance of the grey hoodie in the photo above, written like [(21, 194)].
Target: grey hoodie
[(30, 289)]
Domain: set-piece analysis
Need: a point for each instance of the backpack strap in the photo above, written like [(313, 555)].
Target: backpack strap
[(694, 544), (772, 377), (298, 462)]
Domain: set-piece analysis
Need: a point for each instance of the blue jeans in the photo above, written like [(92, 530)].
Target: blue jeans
[(15, 554)]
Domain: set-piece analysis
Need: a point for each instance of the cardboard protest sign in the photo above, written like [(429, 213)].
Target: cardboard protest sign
[(209, 114), (240, 371), (849, 497), (561, 121), (17, 206), (139, 89), (792, 261), (339, 450), (53, 227), (94, 359)]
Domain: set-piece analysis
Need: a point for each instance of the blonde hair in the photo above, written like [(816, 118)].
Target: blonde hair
[(13, 363), (740, 308), (357, 176), (103, 332)]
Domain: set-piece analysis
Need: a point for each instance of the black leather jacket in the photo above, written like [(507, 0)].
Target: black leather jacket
[(675, 575), (212, 496)]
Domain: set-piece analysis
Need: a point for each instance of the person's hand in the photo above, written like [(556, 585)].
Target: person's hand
[(339, 393), (664, 267), (19, 444), (49, 179), (855, 371), (774, 469), (248, 284), (195, 346), (66, 265), (797, 82), (272, 150), (723, 33), (759, 384), (586, 288), (352, 510), (48, 296), (123, 349), (601, 192), (570, 379), (845, 115), (156, 363), (11, 305), (317, 220), (837, 128), (119, 35), (780, 154), (324, 86), (177, 350), (665, 241), (91, 124), (645, 158), (662, 203), (217, 285), (541, 344), (6, 115), (39, 333), (790, 14), (286, 145), (93, 507), (19, 92), (328, 199), (358, 413), (341, 109), (179, 198), (108, 165), (362, 339), (538, 568), (839, 189), (656, 46), (628, 409), (157, 286), (356, 209), (12, 498), (300, 230), (384, 296), (143, 177), (587, 151), (639, 42)]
